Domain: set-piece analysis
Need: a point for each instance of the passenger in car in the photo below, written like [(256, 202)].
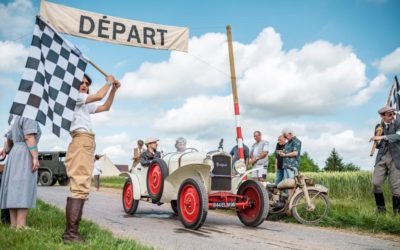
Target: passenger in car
[(151, 154), (180, 144)]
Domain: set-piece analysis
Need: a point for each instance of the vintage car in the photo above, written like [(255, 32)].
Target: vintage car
[(194, 182)]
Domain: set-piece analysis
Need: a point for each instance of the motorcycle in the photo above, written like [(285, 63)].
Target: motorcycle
[(300, 197)]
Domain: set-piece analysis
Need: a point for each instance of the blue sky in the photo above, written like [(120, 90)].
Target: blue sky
[(320, 67)]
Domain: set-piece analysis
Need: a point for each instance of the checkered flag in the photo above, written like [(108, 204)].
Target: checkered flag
[(50, 82), (394, 98)]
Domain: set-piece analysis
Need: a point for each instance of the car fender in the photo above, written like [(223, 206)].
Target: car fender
[(318, 188), (135, 183), (175, 179), (237, 181)]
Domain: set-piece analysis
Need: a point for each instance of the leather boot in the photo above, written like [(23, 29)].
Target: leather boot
[(380, 203), (396, 205), (74, 215)]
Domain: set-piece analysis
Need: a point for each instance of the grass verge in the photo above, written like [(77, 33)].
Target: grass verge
[(47, 224)]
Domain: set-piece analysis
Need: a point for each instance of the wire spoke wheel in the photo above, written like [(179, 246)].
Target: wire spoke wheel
[(310, 214)]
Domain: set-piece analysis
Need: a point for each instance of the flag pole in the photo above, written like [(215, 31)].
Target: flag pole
[(379, 129), (98, 69)]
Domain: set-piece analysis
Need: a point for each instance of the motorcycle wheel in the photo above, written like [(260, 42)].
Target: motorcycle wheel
[(301, 212)]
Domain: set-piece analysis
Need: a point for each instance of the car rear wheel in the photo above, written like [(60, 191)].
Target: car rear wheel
[(258, 198), (128, 202), (45, 178), (192, 203), (156, 175)]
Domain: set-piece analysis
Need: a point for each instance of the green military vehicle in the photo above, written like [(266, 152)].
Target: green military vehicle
[(52, 168)]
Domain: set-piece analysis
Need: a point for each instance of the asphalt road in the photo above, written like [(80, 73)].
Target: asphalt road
[(159, 227)]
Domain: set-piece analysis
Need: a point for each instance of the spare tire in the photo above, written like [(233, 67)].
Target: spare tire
[(156, 175)]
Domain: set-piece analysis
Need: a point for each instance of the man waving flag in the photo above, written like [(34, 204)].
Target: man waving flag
[(50, 82)]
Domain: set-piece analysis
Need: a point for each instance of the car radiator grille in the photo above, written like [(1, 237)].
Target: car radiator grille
[(221, 174)]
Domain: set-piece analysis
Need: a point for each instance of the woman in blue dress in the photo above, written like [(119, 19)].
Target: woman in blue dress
[(18, 186)]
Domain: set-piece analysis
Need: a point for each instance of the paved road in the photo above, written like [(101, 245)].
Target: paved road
[(157, 226)]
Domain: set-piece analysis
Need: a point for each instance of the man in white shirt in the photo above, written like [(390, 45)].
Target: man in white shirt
[(259, 157), (80, 154), (97, 171)]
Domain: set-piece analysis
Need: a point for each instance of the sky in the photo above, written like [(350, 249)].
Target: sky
[(322, 68)]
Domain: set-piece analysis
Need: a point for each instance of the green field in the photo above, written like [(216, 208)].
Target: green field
[(352, 201), (47, 225)]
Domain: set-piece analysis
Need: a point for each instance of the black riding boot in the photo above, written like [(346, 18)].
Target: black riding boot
[(380, 203), (396, 205)]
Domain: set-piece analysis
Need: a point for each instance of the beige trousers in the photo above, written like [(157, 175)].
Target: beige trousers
[(79, 163), (386, 168)]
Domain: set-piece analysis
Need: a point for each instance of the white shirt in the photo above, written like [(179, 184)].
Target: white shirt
[(257, 149), (98, 168), (81, 121)]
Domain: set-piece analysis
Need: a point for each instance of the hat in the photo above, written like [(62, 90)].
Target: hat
[(386, 109), (150, 140)]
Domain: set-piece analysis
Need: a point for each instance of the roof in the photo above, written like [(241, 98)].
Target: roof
[(122, 168)]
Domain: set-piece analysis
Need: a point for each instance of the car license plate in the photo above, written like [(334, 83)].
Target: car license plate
[(224, 204)]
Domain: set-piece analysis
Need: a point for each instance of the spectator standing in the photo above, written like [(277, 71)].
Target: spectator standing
[(259, 157), (278, 159), (97, 171), (290, 154), (136, 153), (235, 154), (18, 186), (387, 165)]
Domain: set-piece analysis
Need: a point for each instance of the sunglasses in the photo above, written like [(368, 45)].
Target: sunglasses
[(389, 114)]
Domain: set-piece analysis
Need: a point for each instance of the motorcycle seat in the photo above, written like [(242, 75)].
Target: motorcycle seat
[(271, 185)]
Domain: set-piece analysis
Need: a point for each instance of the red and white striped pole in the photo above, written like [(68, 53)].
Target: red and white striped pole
[(235, 95)]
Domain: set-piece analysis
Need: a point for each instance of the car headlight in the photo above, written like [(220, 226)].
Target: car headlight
[(209, 162), (240, 166)]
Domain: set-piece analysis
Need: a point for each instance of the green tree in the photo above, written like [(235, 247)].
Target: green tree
[(307, 164), (334, 162), (271, 163), (350, 167)]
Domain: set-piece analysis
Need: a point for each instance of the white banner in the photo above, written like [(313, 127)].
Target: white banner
[(113, 29)]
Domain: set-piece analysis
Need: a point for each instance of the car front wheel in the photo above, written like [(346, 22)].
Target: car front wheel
[(192, 203)]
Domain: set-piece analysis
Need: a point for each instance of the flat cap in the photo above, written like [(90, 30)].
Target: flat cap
[(386, 109), (150, 140)]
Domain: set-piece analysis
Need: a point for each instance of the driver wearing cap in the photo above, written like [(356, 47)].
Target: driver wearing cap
[(151, 154)]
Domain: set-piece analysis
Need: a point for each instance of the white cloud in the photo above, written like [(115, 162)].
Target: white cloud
[(17, 18), (120, 138), (200, 114), (12, 56), (389, 63), (182, 74), (315, 79), (375, 85)]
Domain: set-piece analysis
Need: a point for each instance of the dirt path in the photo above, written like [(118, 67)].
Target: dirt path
[(159, 227)]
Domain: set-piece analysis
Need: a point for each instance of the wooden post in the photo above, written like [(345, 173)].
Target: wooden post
[(235, 95)]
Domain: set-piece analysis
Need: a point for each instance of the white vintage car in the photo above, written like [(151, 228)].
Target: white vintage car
[(193, 182)]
